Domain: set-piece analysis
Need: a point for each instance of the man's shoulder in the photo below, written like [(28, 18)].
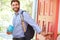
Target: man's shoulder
[(23, 10)]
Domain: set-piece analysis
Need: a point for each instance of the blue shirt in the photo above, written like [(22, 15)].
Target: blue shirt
[(18, 30)]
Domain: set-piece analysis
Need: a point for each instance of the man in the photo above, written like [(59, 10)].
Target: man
[(18, 32)]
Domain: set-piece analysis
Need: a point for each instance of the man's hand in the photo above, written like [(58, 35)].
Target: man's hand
[(43, 33), (46, 34), (9, 33)]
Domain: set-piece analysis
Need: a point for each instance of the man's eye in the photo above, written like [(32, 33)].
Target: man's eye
[(12, 5), (16, 4)]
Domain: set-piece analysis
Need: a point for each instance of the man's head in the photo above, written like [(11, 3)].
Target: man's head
[(15, 4)]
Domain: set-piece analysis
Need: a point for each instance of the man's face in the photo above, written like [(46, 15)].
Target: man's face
[(15, 6)]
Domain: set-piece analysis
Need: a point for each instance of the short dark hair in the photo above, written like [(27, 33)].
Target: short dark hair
[(15, 1)]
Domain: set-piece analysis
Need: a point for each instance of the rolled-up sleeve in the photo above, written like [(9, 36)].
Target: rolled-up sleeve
[(31, 22)]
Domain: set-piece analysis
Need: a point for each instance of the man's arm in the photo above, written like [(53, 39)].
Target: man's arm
[(30, 21)]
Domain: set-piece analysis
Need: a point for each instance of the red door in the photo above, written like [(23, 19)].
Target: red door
[(47, 17)]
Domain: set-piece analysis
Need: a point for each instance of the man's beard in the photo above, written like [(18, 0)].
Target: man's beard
[(16, 10)]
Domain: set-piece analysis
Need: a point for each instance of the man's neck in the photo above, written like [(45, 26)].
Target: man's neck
[(17, 12)]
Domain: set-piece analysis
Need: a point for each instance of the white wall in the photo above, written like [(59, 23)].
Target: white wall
[(34, 9), (59, 20)]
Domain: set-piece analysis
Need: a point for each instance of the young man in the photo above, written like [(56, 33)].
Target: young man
[(18, 32)]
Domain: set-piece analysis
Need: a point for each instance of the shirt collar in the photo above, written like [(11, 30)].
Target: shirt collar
[(19, 12)]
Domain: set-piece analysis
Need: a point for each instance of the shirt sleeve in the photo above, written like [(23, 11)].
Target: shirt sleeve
[(31, 22)]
